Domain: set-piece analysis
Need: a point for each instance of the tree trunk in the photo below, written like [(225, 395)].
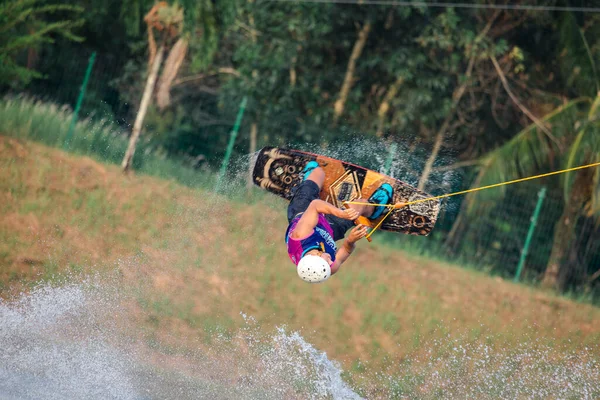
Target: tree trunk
[(540, 124), (564, 232), (349, 78), (169, 72), (439, 138), (293, 72), (563, 237), (253, 135), (385, 104), (456, 97), (139, 119), (32, 54), (437, 145)]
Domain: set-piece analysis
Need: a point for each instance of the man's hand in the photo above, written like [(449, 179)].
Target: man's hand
[(357, 233), (348, 213)]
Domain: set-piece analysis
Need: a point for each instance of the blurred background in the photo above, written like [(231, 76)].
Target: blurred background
[(444, 96), (451, 97)]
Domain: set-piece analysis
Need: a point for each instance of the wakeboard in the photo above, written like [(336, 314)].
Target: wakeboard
[(279, 171)]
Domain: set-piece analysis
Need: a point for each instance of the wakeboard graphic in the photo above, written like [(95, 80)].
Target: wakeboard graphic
[(279, 170)]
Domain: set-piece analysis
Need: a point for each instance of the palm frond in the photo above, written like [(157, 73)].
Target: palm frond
[(586, 150), (531, 151), (576, 60)]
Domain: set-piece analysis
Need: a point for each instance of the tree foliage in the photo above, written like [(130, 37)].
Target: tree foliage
[(566, 137), (514, 91), (28, 25)]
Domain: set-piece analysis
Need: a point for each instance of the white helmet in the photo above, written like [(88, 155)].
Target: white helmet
[(313, 269)]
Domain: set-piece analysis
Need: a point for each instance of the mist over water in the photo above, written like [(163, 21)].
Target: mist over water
[(75, 341)]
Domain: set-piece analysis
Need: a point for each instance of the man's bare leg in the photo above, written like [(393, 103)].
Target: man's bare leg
[(317, 175)]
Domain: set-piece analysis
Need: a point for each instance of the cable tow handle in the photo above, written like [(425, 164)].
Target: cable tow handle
[(360, 221)]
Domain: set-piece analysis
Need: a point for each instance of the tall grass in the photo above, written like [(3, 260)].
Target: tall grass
[(101, 139)]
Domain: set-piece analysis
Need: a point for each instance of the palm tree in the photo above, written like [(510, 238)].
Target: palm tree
[(568, 136), (581, 191), (571, 138)]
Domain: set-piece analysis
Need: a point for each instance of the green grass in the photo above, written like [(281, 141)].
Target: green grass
[(104, 141), (48, 123), (173, 239), (201, 268)]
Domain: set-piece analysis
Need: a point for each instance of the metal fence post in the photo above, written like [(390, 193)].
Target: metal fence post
[(234, 132), (532, 225), (86, 78)]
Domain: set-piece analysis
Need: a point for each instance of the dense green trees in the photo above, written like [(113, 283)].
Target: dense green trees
[(482, 89), (26, 26), (567, 136)]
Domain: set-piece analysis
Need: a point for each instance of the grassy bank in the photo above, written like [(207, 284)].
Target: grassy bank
[(207, 258), (97, 138)]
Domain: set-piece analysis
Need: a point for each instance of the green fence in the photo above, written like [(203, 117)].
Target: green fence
[(64, 73), (493, 238)]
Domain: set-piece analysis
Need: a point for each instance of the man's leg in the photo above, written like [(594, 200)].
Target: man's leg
[(317, 175), (307, 191), (340, 226), (383, 194)]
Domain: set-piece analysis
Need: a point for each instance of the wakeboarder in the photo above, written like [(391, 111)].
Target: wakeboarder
[(315, 226)]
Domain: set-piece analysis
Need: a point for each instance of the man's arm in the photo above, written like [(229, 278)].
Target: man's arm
[(347, 248), (310, 218)]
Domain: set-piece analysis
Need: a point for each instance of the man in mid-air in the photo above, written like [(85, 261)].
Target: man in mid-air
[(315, 226)]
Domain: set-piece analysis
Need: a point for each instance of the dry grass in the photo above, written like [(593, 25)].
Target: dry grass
[(207, 258)]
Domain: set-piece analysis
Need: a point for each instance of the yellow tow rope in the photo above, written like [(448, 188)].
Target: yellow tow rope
[(398, 206)]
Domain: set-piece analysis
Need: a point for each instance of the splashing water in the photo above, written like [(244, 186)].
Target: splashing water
[(64, 342), (480, 371), (73, 341), (48, 349), (292, 358), (405, 164)]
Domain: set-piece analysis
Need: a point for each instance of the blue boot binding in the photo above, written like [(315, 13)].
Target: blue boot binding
[(308, 168), (383, 195)]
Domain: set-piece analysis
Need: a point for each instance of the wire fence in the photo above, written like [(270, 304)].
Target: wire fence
[(497, 235), (495, 238), (63, 76)]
